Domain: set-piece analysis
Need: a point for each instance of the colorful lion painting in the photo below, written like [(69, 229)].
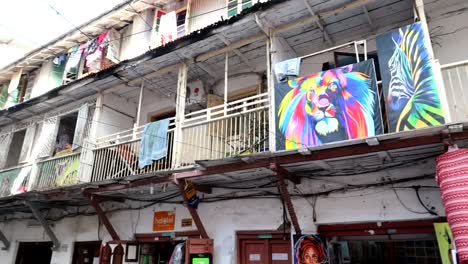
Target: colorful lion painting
[(410, 88), (333, 105)]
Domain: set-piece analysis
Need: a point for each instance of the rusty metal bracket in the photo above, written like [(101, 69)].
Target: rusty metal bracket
[(40, 218), (94, 201), (6, 243), (281, 175), (193, 212)]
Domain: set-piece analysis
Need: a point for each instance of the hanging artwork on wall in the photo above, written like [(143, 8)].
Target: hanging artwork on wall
[(310, 249), (328, 106), (409, 85)]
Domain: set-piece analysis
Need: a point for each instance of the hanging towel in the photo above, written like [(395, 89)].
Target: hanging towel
[(153, 144), (286, 68)]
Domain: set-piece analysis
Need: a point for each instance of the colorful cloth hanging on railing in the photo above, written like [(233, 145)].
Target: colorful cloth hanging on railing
[(452, 177)]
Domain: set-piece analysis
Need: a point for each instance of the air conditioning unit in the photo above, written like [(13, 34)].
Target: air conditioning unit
[(195, 93)]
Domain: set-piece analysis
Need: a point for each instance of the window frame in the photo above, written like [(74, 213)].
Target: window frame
[(240, 6)]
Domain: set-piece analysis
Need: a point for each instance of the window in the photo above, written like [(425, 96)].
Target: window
[(3, 94), (22, 87), (13, 156), (66, 133), (181, 16), (236, 6)]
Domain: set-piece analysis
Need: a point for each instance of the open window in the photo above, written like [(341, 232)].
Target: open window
[(181, 18), (65, 134), (13, 156), (61, 135)]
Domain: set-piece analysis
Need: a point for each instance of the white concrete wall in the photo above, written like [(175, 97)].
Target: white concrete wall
[(154, 103), (42, 82), (111, 121), (448, 28), (223, 219), (206, 12), (137, 37)]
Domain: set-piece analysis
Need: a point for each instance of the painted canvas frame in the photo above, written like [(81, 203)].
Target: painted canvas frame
[(328, 106), (409, 85), (310, 249)]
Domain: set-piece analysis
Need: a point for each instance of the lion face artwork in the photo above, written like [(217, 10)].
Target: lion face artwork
[(333, 105), (409, 84)]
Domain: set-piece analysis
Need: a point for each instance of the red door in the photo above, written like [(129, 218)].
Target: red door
[(265, 251), (280, 252), (254, 252)]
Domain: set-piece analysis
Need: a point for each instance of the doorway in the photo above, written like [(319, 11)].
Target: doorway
[(86, 252), (263, 247), (157, 252), (34, 253)]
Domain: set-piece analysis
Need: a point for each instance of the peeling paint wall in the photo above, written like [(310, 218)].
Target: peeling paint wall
[(448, 28), (223, 219)]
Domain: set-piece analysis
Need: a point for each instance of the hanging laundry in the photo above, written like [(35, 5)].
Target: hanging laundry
[(74, 58), (168, 28), (94, 53), (153, 144), (60, 59), (452, 177), (283, 69)]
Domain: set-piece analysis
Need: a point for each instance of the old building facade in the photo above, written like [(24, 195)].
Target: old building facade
[(74, 131)]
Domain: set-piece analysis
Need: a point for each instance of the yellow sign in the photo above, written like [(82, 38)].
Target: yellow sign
[(190, 190), (445, 241), (164, 221)]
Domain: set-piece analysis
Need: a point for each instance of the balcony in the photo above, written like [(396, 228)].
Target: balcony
[(233, 129), (117, 155), (455, 76), (14, 180), (57, 172)]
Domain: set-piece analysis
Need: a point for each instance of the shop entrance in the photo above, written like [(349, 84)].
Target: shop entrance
[(34, 253), (263, 247), (387, 243), (157, 252), (86, 252)]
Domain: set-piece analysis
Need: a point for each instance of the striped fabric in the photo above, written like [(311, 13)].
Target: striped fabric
[(452, 177)]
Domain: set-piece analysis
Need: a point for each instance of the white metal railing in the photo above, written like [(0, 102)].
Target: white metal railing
[(232, 129), (57, 172), (455, 76), (117, 155), (14, 180)]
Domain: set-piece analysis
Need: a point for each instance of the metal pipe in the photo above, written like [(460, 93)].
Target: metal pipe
[(140, 102)]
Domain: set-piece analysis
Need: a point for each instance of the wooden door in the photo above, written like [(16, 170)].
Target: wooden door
[(280, 252), (86, 252), (254, 252)]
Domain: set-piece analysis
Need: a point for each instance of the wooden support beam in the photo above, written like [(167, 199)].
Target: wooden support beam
[(5, 241), (288, 175), (243, 58), (102, 216), (323, 154), (319, 24), (368, 17), (281, 175), (40, 218), (194, 213)]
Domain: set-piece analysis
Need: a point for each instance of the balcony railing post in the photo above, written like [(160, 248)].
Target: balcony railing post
[(271, 97), (86, 162), (33, 177), (180, 114), (442, 92)]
